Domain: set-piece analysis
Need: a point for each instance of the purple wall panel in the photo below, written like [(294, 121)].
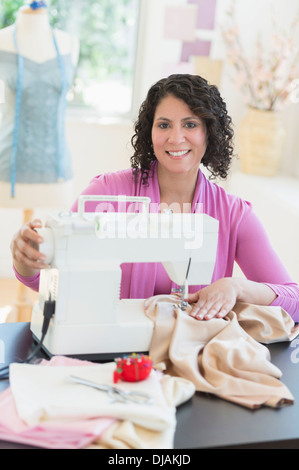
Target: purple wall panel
[(206, 13), (197, 47), (205, 20)]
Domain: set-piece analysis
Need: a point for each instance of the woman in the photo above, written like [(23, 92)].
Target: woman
[(184, 123)]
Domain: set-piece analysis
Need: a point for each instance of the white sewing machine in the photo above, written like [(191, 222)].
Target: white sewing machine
[(84, 253)]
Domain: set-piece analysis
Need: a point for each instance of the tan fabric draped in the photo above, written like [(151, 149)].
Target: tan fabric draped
[(224, 357)]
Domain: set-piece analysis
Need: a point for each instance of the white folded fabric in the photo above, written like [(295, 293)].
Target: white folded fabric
[(48, 393)]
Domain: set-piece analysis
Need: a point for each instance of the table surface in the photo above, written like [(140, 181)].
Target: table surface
[(205, 421)]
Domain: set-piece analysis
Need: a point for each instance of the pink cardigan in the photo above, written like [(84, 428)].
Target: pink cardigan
[(242, 238)]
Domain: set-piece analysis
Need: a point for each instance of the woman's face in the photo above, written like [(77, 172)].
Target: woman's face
[(178, 136)]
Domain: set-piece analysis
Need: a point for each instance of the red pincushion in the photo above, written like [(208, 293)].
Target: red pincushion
[(132, 368)]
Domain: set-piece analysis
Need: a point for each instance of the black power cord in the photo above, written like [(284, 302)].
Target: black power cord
[(49, 310)]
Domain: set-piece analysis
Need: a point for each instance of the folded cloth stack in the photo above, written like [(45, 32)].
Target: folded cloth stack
[(223, 356), (44, 407)]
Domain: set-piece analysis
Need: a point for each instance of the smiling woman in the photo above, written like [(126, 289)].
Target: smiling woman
[(183, 122), (204, 104), (179, 139)]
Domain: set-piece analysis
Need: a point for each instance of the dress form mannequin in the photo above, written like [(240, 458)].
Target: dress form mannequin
[(34, 38)]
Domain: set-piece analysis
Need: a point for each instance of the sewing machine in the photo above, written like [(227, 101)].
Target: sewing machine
[(84, 253)]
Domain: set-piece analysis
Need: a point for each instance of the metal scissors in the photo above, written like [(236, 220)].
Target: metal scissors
[(116, 394)]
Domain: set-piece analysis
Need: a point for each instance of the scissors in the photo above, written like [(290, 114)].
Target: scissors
[(116, 394)]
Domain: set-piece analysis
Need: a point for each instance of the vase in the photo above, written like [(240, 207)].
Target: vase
[(261, 142)]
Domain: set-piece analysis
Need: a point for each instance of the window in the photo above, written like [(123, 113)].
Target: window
[(107, 31)]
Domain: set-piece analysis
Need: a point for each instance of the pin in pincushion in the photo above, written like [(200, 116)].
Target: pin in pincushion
[(132, 368)]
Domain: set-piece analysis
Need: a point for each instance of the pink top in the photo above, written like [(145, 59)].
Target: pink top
[(242, 238)]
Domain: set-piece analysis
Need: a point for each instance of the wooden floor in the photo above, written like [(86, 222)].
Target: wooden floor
[(10, 292)]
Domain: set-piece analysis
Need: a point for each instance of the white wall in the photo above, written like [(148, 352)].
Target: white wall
[(98, 146), (278, 210)]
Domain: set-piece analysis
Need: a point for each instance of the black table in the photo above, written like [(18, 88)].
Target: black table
[(205, 421)]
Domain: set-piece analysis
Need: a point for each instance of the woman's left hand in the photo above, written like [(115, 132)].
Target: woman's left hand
[(215, 300)]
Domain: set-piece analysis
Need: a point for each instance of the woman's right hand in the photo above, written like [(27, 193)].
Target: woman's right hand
[(24, 246)]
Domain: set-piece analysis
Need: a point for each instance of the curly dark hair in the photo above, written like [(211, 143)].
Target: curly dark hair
[(205, 101)]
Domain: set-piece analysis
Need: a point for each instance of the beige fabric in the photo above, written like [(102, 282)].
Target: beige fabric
[(222, 356), (266, 324), (127, 435)]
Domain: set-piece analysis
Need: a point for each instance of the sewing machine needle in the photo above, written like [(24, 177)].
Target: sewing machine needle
[(188, 268), (186, 279), (185, 287)]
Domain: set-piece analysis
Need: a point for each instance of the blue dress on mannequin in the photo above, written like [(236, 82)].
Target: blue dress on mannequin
[(33, 148)]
